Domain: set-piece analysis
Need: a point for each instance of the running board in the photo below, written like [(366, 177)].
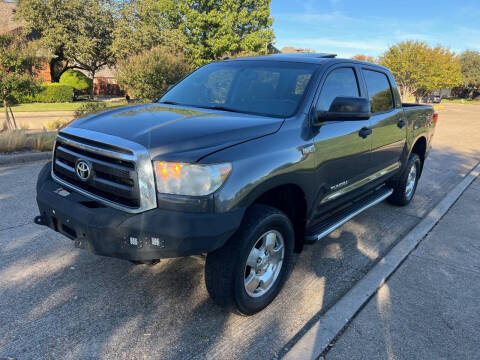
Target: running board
[(332, 224)]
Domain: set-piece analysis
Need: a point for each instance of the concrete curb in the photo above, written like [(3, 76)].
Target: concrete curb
[(325, 330), (13, 159)]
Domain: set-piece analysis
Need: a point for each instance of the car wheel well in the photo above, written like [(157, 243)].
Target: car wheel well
[(290, 199), (420, 148)]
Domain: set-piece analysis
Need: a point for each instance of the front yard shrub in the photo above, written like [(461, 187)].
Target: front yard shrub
[(89, 108), (76, 79), (147, 76), (55, 93), (57, 124)]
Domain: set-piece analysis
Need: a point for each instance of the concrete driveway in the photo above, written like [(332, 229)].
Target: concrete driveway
[(60, 302)]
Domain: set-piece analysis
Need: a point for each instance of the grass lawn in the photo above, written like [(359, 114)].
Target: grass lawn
[(34, 107), (461, 101)]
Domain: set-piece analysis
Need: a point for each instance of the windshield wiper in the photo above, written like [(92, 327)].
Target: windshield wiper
[(169, 102), (221, 108), (216, 107)]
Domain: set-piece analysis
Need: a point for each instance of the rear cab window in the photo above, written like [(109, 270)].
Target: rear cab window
[(379, 91)]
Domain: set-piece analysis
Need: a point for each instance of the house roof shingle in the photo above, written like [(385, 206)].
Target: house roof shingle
[(8, 19)]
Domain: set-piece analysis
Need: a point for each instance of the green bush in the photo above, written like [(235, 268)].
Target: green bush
[(53, 93), (76, 79), (89, 108), (23, 98), (146, 76)]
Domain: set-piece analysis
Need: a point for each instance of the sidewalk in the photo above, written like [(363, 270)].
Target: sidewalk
[(430, 307), (37, 120)]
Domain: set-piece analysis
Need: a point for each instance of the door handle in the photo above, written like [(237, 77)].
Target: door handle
[(401, 124), (364, 132)]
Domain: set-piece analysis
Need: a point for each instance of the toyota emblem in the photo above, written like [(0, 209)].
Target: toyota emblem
[(83, 170)]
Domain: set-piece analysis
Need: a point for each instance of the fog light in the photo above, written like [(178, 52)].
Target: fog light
[(156, 241)]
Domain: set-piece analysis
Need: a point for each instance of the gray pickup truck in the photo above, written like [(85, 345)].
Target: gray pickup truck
[(245, 160)]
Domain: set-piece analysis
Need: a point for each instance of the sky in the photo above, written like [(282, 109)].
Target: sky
[(350, 27)]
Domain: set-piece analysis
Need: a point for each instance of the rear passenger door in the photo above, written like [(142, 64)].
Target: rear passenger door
[(387, 122), (342, 155)]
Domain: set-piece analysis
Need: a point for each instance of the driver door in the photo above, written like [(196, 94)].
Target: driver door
[(342, 155)]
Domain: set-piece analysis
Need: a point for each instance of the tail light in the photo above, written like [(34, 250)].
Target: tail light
[(435, 117)]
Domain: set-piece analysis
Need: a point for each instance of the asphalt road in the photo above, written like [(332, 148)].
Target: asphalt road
[(60, 302)]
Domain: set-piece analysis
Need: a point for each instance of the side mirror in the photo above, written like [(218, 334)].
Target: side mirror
[(345, 109)]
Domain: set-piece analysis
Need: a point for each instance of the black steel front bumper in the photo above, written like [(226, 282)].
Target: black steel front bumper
[(151, 235)]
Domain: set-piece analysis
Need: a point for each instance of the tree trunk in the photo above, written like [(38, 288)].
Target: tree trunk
[(417, 97), (7, 116), (93, 84), (12, 119), (53, 71)]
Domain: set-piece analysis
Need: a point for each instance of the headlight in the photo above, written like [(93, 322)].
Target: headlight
[(190, 179)]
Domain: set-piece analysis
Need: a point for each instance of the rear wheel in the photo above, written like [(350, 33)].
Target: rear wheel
[(405, 186), (248, 272)]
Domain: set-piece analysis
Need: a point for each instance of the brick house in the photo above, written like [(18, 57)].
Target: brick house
[(291, 49), (8, 23), (105, 83)]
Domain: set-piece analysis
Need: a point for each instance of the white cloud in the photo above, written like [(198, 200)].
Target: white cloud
[(327, 42), (348, 34)]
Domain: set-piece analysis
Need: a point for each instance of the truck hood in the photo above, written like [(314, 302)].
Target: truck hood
[(178, 133)]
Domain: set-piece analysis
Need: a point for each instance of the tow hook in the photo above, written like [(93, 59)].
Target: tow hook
[(79, 244), (39, 220)]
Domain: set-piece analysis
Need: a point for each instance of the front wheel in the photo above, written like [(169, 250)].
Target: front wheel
[(405, 186), (248, 272)]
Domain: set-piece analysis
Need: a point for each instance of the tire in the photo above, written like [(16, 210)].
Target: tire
[(227, 270), (403, 188)]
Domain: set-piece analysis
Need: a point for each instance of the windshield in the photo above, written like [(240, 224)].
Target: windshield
[(268, 88)]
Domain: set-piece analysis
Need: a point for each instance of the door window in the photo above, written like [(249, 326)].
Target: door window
[(379, 91), (340, 82)]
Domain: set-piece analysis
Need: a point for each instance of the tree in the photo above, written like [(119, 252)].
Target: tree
[(144, 24), (16, 76), (470, 62), (48, 19), (228, 26), (445, 71), (207, 29), (77, 33), (90, 35), (366, 58), (147, 76), (420, 69)]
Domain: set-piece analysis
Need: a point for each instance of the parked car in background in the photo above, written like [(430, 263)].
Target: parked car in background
[(246, 160), (434, 99)]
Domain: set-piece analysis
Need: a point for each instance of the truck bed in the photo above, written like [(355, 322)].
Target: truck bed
[(418, 106)]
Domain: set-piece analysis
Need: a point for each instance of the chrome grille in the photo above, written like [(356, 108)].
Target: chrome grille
[(120, 177)]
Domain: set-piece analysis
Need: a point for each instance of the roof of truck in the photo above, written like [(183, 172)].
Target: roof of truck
[(312, 58)]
